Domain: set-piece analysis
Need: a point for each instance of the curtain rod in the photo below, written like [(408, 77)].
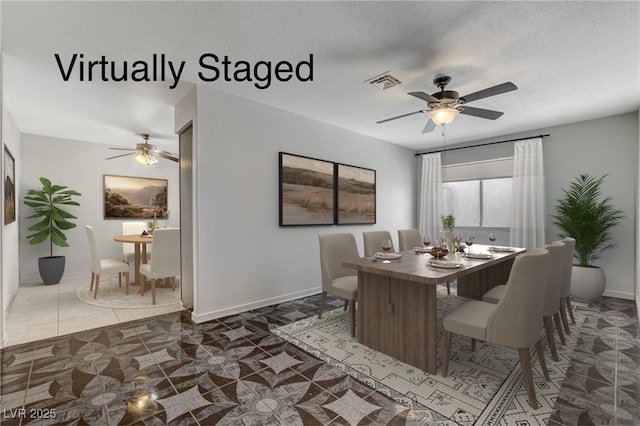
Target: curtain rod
[(481, 144)]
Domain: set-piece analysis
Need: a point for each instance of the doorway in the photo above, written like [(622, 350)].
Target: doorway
[(185, 142)]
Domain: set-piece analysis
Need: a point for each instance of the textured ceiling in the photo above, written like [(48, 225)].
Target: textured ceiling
[(571, 61)]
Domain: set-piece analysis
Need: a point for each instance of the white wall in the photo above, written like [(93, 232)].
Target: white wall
[(10, 232), (244, 258), (602, 146), (80, 165)]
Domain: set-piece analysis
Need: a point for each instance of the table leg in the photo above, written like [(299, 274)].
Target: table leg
[(398, 318), (137, 263)]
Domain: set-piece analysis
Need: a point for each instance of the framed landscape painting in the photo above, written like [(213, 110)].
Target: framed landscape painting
[(306, 191), (9, 187), (127, 197), (356, 195)]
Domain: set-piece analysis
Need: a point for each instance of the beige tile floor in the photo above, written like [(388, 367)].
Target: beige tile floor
[(40, 311)]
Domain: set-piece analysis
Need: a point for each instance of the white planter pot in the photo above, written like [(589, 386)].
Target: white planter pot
[(587, 283)]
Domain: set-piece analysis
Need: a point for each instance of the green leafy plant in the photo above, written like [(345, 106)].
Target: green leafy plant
[(581, 214), (448, 222), (53, 219)]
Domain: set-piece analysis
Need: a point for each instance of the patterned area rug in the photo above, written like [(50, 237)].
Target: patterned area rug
[(112, 296), (483, 387)]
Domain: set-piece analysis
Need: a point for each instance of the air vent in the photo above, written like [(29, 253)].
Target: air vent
[(384, 81)]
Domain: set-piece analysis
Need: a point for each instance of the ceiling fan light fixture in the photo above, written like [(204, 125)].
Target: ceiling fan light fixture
[(146, 158), (443, 116)]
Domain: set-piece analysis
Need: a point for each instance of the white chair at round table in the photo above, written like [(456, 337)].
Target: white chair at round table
[(104, 266), (165, 262), (128, 249)]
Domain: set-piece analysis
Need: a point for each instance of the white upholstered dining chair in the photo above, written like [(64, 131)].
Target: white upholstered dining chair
[(336, 279), (165, 263), (515, 322), (128, 249), (373, 241), (100, 267), (408, 239)]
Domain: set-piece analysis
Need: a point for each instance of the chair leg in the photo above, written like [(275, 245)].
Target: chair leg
[(352, 314), (346, 304), (323, 298), (153, 291), (563, 316), (448, 287), (568, 302), (93, 277), (445, 353), (473, 345), (97, 280), (556, 319), (543, 362), (119, 279), (126, 281), (551, 341), (525, 365)]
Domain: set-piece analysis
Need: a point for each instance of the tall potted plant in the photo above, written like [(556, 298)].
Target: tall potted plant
[(584, 216), (53, 221)]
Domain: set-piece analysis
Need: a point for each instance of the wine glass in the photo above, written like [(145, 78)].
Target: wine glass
[(469, 240), (386, 245), (492, 238), (426, 240)]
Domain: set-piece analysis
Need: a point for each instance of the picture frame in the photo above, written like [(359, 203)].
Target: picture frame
[(355, 195), (9, 187), (130, 197), (306, 191)]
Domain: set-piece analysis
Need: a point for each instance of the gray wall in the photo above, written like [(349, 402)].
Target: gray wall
[(80, 165), (244, 259), (602, 146)]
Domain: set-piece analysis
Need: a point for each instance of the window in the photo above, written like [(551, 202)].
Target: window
[(481, 203)]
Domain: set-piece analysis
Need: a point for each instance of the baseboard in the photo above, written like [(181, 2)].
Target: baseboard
[(619, 294), (208, 316)]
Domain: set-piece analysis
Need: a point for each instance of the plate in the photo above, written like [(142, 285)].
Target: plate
[(483, 256), (421, 250), (445, 264), (387, 256), (502, 249)]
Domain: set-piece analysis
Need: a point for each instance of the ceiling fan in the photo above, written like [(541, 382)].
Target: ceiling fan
[(445, 105), (146, 153)]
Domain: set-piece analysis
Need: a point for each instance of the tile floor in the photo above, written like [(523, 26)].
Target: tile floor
[(40, 311), (167, 370)]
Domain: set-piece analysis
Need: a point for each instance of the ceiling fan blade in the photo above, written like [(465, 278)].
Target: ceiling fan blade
[(167, 155), (425, 97), (491, 91), (481, 112), (123, 149), (429, 127), (399, 116), (121, 155)]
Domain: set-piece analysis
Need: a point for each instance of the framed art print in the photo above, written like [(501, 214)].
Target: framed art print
[(306, 191), (356, 195), (9, 187), (127, 197)]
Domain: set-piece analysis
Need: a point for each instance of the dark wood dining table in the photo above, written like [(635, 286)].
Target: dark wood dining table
[(397, 307)]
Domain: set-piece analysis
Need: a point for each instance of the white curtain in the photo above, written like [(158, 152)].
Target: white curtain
[(430, 200), (528, 211)]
